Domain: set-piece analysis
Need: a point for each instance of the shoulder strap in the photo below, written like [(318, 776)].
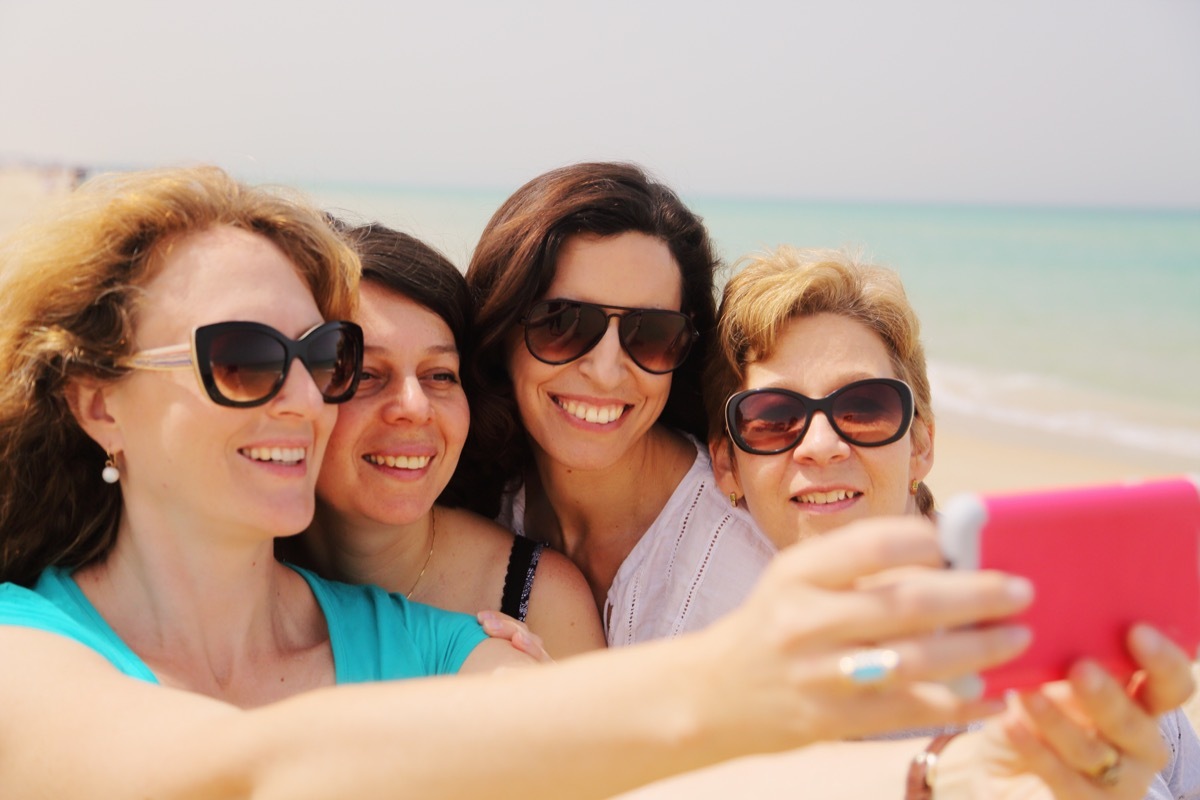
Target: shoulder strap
[(518, 582)]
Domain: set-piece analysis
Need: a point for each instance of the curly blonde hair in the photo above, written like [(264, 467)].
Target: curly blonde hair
[(774, 287), (69, 286)]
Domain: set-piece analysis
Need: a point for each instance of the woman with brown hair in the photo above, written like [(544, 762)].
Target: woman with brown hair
[(593, 287), (388, 507)]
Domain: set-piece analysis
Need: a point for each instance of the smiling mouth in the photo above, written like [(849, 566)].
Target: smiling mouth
[(589, 413), (275, 455), (825, 498), (398, 462)]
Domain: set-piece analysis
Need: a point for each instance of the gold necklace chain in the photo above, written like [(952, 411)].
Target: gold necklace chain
[(432, 542)]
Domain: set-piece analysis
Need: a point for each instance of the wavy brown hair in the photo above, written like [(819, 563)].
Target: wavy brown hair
[(773, 288), (69, 289), (513, 266)]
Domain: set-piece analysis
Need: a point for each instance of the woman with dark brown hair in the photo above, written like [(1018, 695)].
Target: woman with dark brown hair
[(593, 287), (388, 509)]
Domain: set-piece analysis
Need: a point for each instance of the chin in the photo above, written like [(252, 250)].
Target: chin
[(815, 526), (292, 519)]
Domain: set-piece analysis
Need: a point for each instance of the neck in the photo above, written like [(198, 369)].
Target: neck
[(208, 608), (360, 550), (218, 605)]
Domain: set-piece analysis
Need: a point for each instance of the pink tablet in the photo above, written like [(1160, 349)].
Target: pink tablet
[(1101, 558)]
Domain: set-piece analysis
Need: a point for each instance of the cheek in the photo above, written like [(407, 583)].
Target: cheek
[(656, 387), (761, 478), (764, 482), (889, 472), (326, 422), (456, 422), (521, 369), (348, 426)]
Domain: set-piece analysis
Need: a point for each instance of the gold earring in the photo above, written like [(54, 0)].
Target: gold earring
[(733, 499), (913, 489)]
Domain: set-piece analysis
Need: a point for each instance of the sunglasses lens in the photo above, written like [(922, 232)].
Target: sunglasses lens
[(768, 422), (868, 413), (246, 365), (558, 331), (332, 359), (658, 341)]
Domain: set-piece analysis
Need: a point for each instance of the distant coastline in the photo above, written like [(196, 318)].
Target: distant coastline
[(1050, 364)]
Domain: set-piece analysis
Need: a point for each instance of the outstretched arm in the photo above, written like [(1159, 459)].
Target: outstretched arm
[(763, 679)]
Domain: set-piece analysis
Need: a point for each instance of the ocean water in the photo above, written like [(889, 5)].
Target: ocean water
[(1078, 323)]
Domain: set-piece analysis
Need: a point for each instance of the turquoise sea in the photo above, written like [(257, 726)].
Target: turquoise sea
[(1077, 323)]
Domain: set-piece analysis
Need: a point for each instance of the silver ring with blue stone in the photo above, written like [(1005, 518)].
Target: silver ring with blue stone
[(871, 667)]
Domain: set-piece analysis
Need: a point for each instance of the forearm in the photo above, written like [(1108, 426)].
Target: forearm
[(830, 771), (75, 728), (645, 720)]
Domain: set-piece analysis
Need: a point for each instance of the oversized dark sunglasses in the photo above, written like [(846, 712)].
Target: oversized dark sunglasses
[(559, 331), (869, 413), (244, 364)]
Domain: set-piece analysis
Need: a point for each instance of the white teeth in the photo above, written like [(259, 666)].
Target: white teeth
[(822, 498), (398, 462), (280, 455), (588, 413)]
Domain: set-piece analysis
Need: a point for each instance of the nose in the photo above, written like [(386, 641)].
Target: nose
[(821, 443), (408, 402), (299, 394), (605, 364)]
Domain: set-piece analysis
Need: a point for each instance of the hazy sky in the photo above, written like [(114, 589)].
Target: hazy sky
[(1013, 101)]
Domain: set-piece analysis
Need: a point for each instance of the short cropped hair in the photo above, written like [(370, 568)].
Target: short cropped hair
[(772, 288)]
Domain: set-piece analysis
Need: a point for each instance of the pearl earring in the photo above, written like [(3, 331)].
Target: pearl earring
[(110, 473)]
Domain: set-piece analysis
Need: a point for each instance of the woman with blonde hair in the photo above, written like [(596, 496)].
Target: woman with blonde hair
[(820, 416)]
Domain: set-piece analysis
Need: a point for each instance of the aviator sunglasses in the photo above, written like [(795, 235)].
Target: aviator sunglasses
[(560, 331), (868, 413), (245, 364)]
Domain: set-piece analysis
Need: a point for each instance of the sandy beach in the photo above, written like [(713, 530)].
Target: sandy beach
[(970, 456)]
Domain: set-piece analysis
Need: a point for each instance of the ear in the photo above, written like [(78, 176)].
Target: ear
[(88, 401), (720, 449), (921, 460)]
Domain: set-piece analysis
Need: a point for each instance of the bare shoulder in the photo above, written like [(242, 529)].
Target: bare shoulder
[(558, 575), (561, 607), (474, 530)]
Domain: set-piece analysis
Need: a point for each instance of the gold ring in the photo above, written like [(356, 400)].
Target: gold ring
[(871, 667), (1109, 772)]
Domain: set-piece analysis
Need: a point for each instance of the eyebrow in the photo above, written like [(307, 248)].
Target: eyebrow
[(436, 349), (843, 380)]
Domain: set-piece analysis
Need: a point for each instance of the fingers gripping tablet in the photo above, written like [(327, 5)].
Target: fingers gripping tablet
[(1101, 558)]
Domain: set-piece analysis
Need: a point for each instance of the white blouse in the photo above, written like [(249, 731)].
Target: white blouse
[(696, 563)]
